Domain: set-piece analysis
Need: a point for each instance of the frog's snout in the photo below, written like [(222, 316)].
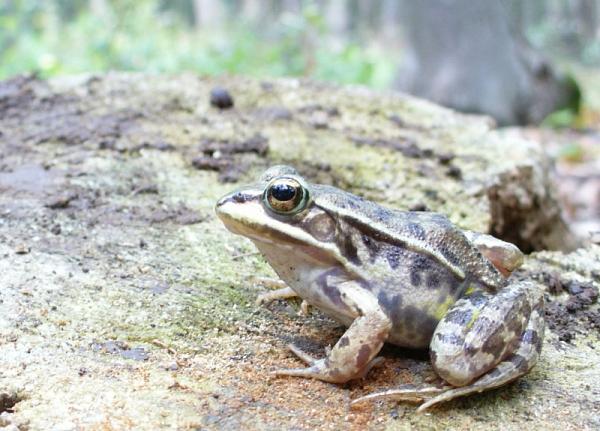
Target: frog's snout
[(221, 207), (238, 197), (222, 201), (225, 209), (237, 206)]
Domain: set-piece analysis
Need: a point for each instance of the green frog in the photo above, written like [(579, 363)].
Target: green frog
[(412, 279)]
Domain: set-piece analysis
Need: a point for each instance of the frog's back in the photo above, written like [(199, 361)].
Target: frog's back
[(416, 263), (425, 233)]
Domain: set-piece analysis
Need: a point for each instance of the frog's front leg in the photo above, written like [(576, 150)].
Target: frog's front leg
[(282, 291), (353, 355), (485, 341)]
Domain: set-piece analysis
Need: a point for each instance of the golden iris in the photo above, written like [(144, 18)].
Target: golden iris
[(285, 195)]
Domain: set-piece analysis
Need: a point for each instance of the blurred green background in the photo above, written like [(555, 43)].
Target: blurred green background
[(343, 41), (57, 37)]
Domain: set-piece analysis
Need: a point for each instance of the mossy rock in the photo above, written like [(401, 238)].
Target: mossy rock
[(124, 304)]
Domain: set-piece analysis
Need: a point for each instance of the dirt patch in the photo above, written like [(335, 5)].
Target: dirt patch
[(29, 178), (272, 113), (79, 128), (407, 147), (410, 149), (402, 123), (226, 157), (318, 116), (61, 201), (53, 117), (180, 215), (121, 348), (571, 306)]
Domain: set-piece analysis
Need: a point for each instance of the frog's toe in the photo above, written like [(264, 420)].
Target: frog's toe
[(268, 282), (297, 372), (447, 395), (403, 393), (322, 369), (304, 308), (306, 357), (282, 293), (317, 370)]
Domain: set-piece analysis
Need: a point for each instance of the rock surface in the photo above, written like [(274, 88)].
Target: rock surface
[(124, 304)]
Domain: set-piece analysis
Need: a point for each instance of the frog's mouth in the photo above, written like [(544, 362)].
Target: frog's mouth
[(244, 214)]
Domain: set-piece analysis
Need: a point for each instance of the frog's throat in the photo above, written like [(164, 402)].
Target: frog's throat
[(239, 220), (298, 238)]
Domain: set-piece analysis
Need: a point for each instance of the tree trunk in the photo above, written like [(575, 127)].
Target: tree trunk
[(466, 55), (208, 13)]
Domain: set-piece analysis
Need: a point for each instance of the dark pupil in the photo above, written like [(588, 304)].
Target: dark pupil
[(283, 192)]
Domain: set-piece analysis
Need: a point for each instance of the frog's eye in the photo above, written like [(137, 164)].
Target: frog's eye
[(285, 195)]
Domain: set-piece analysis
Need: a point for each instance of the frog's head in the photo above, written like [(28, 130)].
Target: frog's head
[(283, 210)]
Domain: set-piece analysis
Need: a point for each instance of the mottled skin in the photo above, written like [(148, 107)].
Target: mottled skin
[(408, 278)]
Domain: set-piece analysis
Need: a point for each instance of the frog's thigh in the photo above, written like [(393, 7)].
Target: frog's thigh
[(513, 366), (353, 354), (482, 330)]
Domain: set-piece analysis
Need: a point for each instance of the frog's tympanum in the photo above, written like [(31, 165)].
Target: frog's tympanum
[(411, 279)]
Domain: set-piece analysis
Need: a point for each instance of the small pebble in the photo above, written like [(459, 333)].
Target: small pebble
[(319, 120), (22, 249), (171, 367), (454, 172), (419, 207), (61, 201), (220, 98)]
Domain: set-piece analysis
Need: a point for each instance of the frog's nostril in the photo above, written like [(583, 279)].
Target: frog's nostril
[(241, 197), (237, 197)]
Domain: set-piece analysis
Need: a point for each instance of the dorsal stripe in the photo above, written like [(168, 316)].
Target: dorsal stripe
[(378, 230)]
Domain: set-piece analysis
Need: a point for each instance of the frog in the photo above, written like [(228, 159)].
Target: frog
[(408, 278)]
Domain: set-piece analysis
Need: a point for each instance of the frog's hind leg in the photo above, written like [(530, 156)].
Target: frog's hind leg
[(485, 341), (516, 364)]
